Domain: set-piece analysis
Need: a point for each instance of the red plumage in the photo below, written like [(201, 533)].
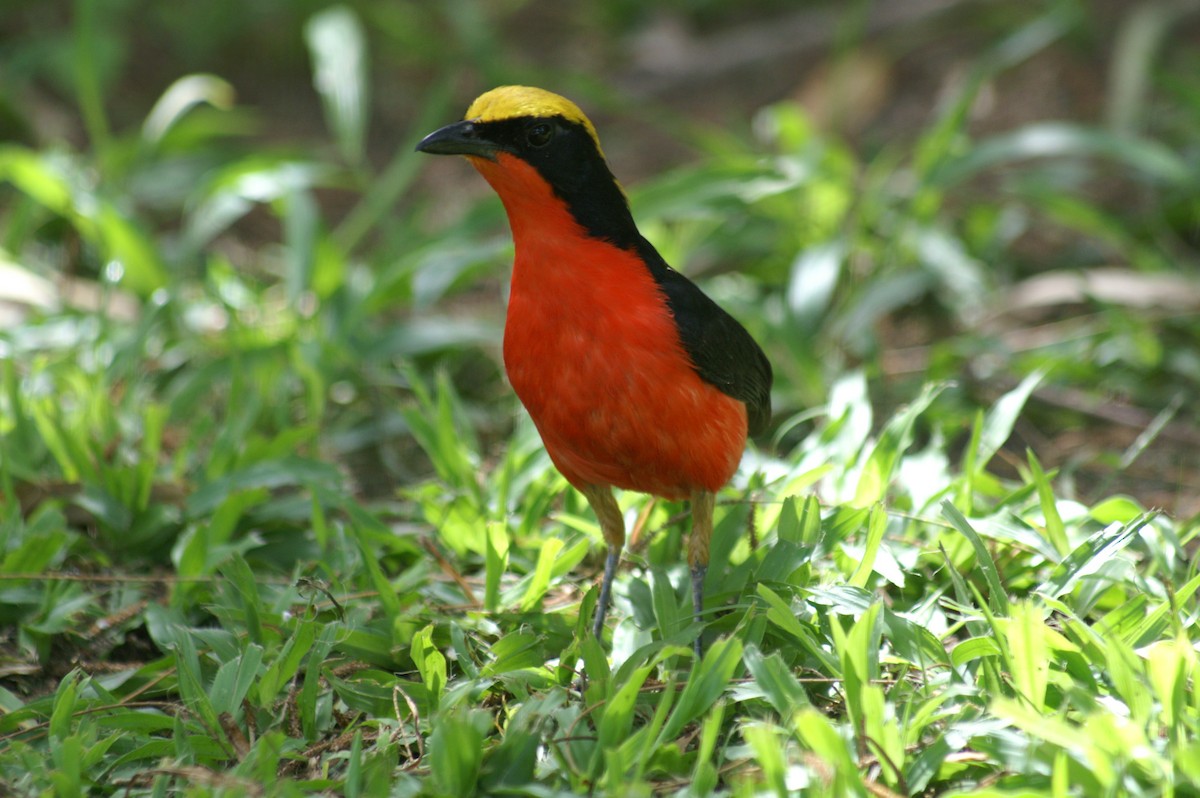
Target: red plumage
[(594, 354)]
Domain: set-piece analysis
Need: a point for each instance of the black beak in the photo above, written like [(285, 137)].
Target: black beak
[(460, 138)]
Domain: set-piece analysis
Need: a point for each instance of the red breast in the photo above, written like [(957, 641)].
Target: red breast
[(593, 353)]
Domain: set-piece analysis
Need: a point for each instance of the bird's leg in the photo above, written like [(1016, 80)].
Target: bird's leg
[(703, 502), (612, 525), (610, 571)]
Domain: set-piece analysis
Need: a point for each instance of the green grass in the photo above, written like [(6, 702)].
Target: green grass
[(272, 524)]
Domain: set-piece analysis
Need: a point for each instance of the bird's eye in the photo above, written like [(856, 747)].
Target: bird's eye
[(539, 135)]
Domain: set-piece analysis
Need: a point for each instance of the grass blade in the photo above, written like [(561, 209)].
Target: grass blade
[(997, 597), (1056, 531), (893, 442), (1026, 640), (876, 526), (710, 677)]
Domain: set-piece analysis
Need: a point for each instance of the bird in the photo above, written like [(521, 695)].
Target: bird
[(634, 378)]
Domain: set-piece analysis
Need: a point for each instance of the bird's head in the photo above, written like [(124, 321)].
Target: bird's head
[(532, 124), (531, 145)]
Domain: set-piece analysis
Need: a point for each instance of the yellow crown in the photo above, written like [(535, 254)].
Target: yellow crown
[(512, 102)]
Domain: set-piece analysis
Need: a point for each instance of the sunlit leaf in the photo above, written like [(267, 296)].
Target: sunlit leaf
[(814, 276), (893, 442), (1002, 416), (181, 96), (338, 46)]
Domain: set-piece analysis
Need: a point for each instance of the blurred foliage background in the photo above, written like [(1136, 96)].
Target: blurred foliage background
[(249, 337), (961, 190)]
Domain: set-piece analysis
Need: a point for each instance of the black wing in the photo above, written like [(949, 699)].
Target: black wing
[(722, 352)]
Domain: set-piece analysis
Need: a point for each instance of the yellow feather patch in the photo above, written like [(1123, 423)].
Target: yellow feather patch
[(511, 102)]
